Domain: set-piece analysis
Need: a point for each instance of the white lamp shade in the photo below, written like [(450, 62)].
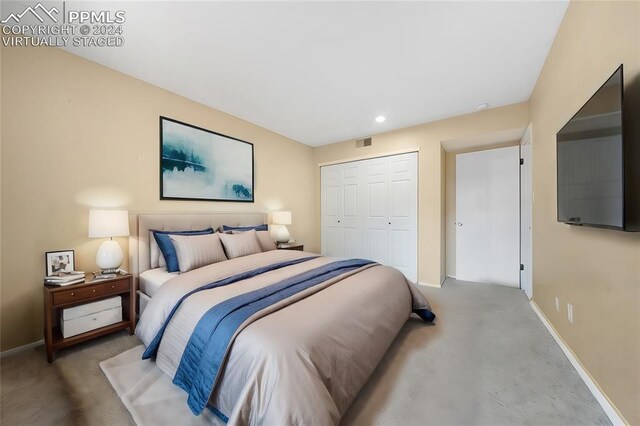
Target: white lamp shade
[(281, 218), (108, 223)]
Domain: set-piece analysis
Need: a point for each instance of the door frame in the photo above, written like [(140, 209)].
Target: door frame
[(526, 212)]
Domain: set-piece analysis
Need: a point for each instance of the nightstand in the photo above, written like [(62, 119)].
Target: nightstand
[(290, 246), (57, 298)]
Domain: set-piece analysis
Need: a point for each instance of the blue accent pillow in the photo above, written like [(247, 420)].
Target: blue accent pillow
[(264, 227), (166, 246)]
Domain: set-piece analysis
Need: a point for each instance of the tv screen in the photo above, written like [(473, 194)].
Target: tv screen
[(591, 162)]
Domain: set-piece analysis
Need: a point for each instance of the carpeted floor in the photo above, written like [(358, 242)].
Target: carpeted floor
[(489, 360)]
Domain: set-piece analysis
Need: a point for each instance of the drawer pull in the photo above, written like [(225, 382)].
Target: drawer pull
[(113, 286), (94, 290), (73, 294)]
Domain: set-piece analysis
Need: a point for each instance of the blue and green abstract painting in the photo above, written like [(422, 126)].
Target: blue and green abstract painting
[(197, 164)]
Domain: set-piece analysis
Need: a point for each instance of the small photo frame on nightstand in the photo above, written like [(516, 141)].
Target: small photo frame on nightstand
[(59, 261)]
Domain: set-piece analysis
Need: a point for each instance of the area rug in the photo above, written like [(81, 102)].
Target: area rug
[(148, 393)]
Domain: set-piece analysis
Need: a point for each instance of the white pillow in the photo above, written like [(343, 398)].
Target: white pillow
[(196, 251), (154, 252), (243, 244), (266, 241), (264, 238)]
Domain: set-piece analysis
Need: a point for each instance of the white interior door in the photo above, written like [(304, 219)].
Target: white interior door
[(488, 216)]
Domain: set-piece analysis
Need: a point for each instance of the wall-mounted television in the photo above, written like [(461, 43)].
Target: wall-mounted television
[(595, 159)]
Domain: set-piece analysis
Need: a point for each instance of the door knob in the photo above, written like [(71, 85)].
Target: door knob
[(459, 223)]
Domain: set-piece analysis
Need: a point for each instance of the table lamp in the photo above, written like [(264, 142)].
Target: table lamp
[(109, 224), (282, 219)]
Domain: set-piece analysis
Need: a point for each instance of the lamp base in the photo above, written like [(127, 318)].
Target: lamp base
[(109, 256), (110, 271), (283, 236)]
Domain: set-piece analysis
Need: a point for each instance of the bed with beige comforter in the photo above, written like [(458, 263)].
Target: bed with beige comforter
[(280, 337)]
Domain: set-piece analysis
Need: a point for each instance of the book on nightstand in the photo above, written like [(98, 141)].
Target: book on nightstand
[(65, 278)]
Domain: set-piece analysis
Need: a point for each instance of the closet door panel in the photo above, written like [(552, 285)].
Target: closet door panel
[(350, 217), (378, 248), (376, 203), (333, 242), (331, 198), (403, 213)]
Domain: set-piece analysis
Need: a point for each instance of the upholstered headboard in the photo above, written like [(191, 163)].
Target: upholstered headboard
[(140, 224)]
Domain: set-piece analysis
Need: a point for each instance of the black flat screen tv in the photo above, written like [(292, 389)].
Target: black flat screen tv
[(592, 151)]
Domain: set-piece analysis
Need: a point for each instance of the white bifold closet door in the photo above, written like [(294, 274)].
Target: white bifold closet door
[(370, 210)]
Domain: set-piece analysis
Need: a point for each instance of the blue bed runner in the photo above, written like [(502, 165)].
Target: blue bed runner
[(207, 347), (152, 349)]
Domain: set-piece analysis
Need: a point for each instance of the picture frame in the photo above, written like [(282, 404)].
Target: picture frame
[(198, 164), (59, 261)]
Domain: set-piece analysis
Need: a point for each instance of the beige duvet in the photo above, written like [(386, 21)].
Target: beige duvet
[(304, 360)]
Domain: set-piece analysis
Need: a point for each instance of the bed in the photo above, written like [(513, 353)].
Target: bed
[(279, 337)]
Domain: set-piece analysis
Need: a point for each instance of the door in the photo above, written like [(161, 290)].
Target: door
[(403, 208), (488, 216), (330, 199), (376, 209), (349, 210)]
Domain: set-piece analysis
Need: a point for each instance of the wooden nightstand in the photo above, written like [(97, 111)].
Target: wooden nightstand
[(57, 298), (290, 246)]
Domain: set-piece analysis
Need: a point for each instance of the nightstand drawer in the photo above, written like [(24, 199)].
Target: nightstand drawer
[(79, 294)]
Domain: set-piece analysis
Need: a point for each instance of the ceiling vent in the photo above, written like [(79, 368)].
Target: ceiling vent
[(363, 142)]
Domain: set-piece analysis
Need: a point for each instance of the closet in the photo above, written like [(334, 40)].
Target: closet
[(369, 209)]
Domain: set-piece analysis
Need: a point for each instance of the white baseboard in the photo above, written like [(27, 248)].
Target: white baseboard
[(439, 285), (609, 408), (429, 284), (21, 348)]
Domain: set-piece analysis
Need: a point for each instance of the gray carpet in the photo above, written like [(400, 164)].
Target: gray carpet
[(489, 360)]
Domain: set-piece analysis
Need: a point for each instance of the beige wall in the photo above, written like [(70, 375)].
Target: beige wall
[(431, 196), (450, 200), (596, 270), (77, 135)]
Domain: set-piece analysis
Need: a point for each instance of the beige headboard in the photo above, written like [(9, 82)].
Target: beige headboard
[(140, 224)]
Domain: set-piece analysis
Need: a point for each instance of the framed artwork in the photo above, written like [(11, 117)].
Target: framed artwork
[(59, 261), (199, 164)]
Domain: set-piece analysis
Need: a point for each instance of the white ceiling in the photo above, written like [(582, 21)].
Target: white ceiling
[(320, 72)]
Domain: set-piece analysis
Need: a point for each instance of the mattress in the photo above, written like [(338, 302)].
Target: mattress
[(151, 280)]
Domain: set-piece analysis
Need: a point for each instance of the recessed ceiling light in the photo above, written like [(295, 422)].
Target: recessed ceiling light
[(482, 106), (380, 119)]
